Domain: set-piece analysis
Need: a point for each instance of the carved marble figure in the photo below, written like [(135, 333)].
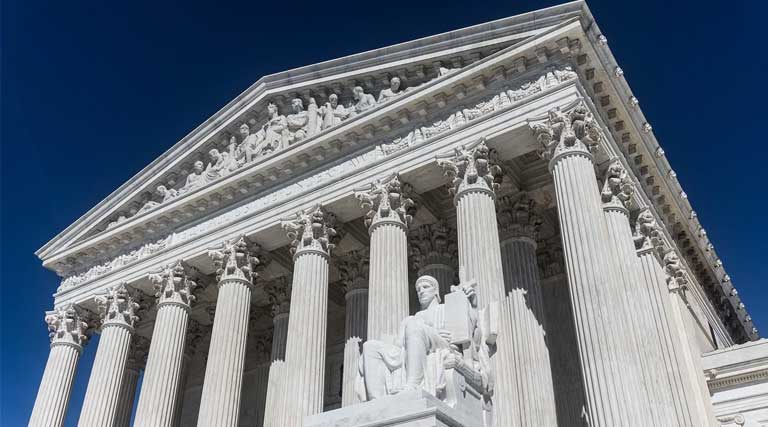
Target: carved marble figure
[(392, 92), (298, 121), (275, 130), (196, 179), (332, 112), (424, 350), (363, 101)]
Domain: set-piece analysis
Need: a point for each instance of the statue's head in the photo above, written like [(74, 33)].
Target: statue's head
[(334, 99), (198, 166), (297, 105), (214, 154), (427, 290), (161, 190), (245, 130), (272, 109), (394, 84), (357, 92)]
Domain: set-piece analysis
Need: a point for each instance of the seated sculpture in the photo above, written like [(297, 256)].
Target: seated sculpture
[(363, 101), (392, 92), (332, 112), (224, 163), (196, 179), (426, 353), (275, 131)]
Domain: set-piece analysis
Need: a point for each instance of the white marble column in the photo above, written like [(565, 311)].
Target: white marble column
[(387, 219), (279, 291), (222, 386), (353, 269), (137, 359), (474, 173), (674, 280), (682, 394), (160, 387), (276, 399), (434, 252), (67, 333), (638, 354), (310, 231), (102, 397), (518, 226), (567, 139)]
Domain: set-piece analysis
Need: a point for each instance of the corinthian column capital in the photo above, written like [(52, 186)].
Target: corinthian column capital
[(564, 133), (472, 167), (353, 269), (66, 326), (234, 261), (386, 202), (173, 286), (434, 244), (617, 187), (311, 230), (119, 307), (518, 219), (279, 291)]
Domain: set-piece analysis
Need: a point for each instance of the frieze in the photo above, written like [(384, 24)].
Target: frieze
[(453, 121)]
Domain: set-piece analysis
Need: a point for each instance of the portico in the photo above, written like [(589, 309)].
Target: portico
[(260, 253)]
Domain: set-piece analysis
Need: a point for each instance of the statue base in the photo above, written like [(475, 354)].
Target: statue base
[(415, 408)]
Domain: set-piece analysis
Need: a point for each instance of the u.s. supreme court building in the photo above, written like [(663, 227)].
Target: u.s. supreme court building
[(477, 228)]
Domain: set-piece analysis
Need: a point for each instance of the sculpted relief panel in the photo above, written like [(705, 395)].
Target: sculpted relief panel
[(270, 138)]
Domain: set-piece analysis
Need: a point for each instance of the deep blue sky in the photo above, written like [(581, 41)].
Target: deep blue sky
[(92, 92)]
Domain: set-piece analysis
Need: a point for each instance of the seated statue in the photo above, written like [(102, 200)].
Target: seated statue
[(194, 180), (426, 352), (224, 163), (392, 92), (363, 101), (165, 194), (332, 112)]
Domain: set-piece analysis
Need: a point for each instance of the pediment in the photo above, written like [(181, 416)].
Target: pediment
[(433, 72)]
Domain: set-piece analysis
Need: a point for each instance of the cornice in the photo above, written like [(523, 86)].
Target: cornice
[(447, 44)]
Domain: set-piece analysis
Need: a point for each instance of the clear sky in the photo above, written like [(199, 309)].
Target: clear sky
[(92, 92)]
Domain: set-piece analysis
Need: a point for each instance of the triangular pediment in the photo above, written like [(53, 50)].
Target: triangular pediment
[(137, 212)]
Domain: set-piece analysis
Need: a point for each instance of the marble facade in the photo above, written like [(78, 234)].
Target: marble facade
[(479, 228)]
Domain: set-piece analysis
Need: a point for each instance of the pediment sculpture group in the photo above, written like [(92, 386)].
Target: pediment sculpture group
[(278, 133)]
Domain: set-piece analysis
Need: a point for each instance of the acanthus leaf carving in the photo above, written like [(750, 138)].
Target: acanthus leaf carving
[(119, 306), (677, 279), (518, 218), (235, 260), (353, 269), (385, 201), (434, 244), (66, 325), (174, 286), (647, 232), (567, 132), (310, 230), (471, 167)]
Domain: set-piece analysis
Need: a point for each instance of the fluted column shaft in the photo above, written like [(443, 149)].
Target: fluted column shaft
[(162, 376), (639, 354), (182, 387), (305, 348), (279, 336), (127, 396), (222, 386), (531, 363), (276, 402), (388, 280), (478, 240), (586, 249), (56, 386), (680, 373), (356, 321), (103, 393)]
